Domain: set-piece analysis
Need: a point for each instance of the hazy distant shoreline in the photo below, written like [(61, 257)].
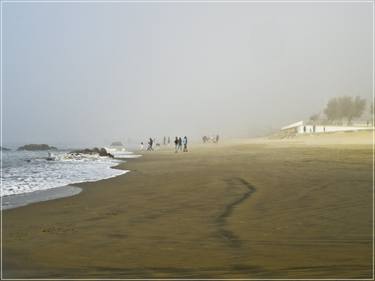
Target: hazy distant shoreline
[(347, 138)]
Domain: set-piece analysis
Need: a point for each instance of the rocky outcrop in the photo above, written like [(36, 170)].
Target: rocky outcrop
[(36, 147), (95, 150)]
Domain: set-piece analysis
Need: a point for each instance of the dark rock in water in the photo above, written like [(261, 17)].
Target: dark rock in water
[(103, 152), (95, 150), (4, 148), (117, 143), (35, 147)]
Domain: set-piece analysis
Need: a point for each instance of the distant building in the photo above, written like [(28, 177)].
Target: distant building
[(302, 128)]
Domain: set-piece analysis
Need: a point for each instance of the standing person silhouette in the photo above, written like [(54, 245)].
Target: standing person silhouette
[(176, 145), (185, 144), (179, 143), (150, 142)]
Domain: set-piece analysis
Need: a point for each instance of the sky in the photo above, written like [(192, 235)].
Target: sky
[(89, 73)]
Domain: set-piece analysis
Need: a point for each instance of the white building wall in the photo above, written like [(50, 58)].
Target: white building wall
[(300, 128), (309, 129)]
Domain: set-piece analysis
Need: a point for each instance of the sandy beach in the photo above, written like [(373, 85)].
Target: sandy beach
[(245, 209)]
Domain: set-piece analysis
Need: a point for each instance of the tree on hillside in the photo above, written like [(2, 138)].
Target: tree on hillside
[(345, 107), (332, 110), (357, 108)]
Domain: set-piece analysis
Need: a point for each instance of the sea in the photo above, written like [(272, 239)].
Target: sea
[(27, 172)]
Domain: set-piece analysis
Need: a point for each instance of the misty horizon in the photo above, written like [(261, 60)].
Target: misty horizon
[(81, 73)]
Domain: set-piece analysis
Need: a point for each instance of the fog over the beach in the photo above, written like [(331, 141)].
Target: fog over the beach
[(98, 72)]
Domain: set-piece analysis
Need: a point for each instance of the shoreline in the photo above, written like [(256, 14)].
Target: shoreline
[(23, 199), (219, 211)]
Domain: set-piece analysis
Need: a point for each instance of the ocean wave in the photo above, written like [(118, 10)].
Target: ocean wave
[(25, 172)]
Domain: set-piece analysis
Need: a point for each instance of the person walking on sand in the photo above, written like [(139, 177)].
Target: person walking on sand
[(185, 144), (150, 142), (179, 143), (176, 145), (141, 147)]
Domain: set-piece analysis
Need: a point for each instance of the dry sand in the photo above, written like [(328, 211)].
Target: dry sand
[(250, 209)]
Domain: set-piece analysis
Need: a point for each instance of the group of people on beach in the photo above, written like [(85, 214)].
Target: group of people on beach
[(213, 139), (180, 144), (150, 145)]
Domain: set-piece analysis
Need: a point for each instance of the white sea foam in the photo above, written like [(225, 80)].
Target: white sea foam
[(121, 153), (30, 171)]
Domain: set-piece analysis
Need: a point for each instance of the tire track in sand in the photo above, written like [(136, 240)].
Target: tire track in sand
[(229, 236)]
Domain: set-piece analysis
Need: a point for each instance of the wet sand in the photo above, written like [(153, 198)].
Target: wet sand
[(23, 199), (243, 210)]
